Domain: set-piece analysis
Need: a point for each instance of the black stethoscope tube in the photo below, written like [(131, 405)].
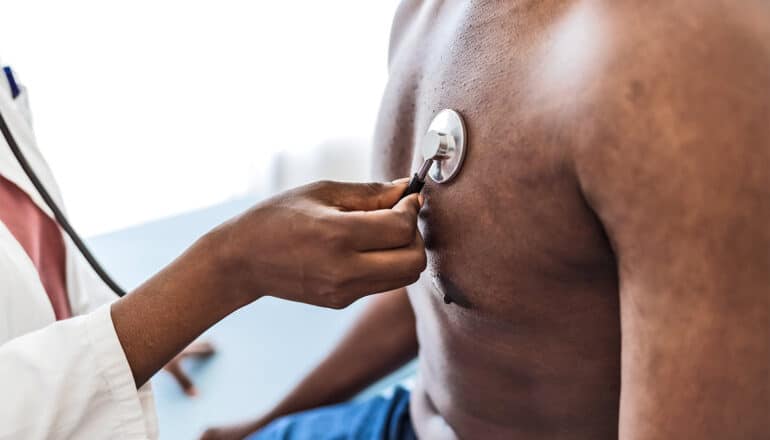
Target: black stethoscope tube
[(58, 214)]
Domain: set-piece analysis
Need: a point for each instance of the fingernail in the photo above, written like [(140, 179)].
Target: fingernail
[(400, 181), (192, 392), (421, 200)]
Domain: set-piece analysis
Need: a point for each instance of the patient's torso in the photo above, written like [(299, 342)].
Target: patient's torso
[(530, 348)]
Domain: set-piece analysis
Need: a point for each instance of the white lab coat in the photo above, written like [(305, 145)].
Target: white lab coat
[(67, 379)]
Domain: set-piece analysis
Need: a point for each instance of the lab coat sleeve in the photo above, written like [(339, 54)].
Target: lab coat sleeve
[(71, 380)]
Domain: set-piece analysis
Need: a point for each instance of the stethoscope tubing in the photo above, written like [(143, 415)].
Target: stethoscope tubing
[(61, 219)]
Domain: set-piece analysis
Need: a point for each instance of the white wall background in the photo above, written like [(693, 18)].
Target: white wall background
[(149, 108)]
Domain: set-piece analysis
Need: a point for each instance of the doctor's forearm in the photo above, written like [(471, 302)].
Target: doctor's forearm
[(170, 310)]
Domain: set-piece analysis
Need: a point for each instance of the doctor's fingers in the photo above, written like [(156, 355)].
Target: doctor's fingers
[(374, 272), (384, 228), (383, 270), (361, 196)]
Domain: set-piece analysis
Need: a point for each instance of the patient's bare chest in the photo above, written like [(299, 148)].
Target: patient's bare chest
[(512, 227)]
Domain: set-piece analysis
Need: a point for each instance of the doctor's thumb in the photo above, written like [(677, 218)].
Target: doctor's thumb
[(410, 205)]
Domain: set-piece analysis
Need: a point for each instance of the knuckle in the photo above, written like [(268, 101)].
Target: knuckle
[(415, 275), (372, 188), (335, 238), (413, 279), (325, 183), (318, 185), (372, 191), (409, 216), (422, 261), (418, 262), (337, 279), (337, 300), (340, 303), (321, 189), (332, 233), (406, 227), (417, 268), (338, 287)]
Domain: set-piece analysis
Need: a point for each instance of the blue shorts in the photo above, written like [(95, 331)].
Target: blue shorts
[(379, 418)]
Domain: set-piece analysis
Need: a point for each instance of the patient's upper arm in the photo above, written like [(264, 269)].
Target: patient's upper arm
[(679, 174)]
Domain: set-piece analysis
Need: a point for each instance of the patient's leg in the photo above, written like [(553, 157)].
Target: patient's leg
[(381, 417)]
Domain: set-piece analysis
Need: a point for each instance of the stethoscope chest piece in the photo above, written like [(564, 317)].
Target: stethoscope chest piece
[(445, 143)]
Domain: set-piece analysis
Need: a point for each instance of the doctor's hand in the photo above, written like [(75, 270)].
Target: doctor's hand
[(326, 244)]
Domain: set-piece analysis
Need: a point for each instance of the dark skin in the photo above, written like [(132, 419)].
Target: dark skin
[(326, 244), (609, 229)]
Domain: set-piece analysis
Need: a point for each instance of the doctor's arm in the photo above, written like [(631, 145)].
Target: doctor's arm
[(326, 244)]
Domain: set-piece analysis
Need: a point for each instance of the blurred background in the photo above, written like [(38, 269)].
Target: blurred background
[(161, 119), (147, 109)]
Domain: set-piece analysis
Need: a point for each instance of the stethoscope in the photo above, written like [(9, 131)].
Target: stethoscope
[(443, 150), (57, 213)]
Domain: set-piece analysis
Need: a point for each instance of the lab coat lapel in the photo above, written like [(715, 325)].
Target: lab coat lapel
[(13, 112), (84, 290), (24, 305)]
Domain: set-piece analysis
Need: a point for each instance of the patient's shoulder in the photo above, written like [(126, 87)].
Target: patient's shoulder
[(681, 94), (674, 69), (404, 16), (687, 34)]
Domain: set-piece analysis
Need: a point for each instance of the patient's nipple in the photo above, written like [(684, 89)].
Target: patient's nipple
[(451, 294)]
